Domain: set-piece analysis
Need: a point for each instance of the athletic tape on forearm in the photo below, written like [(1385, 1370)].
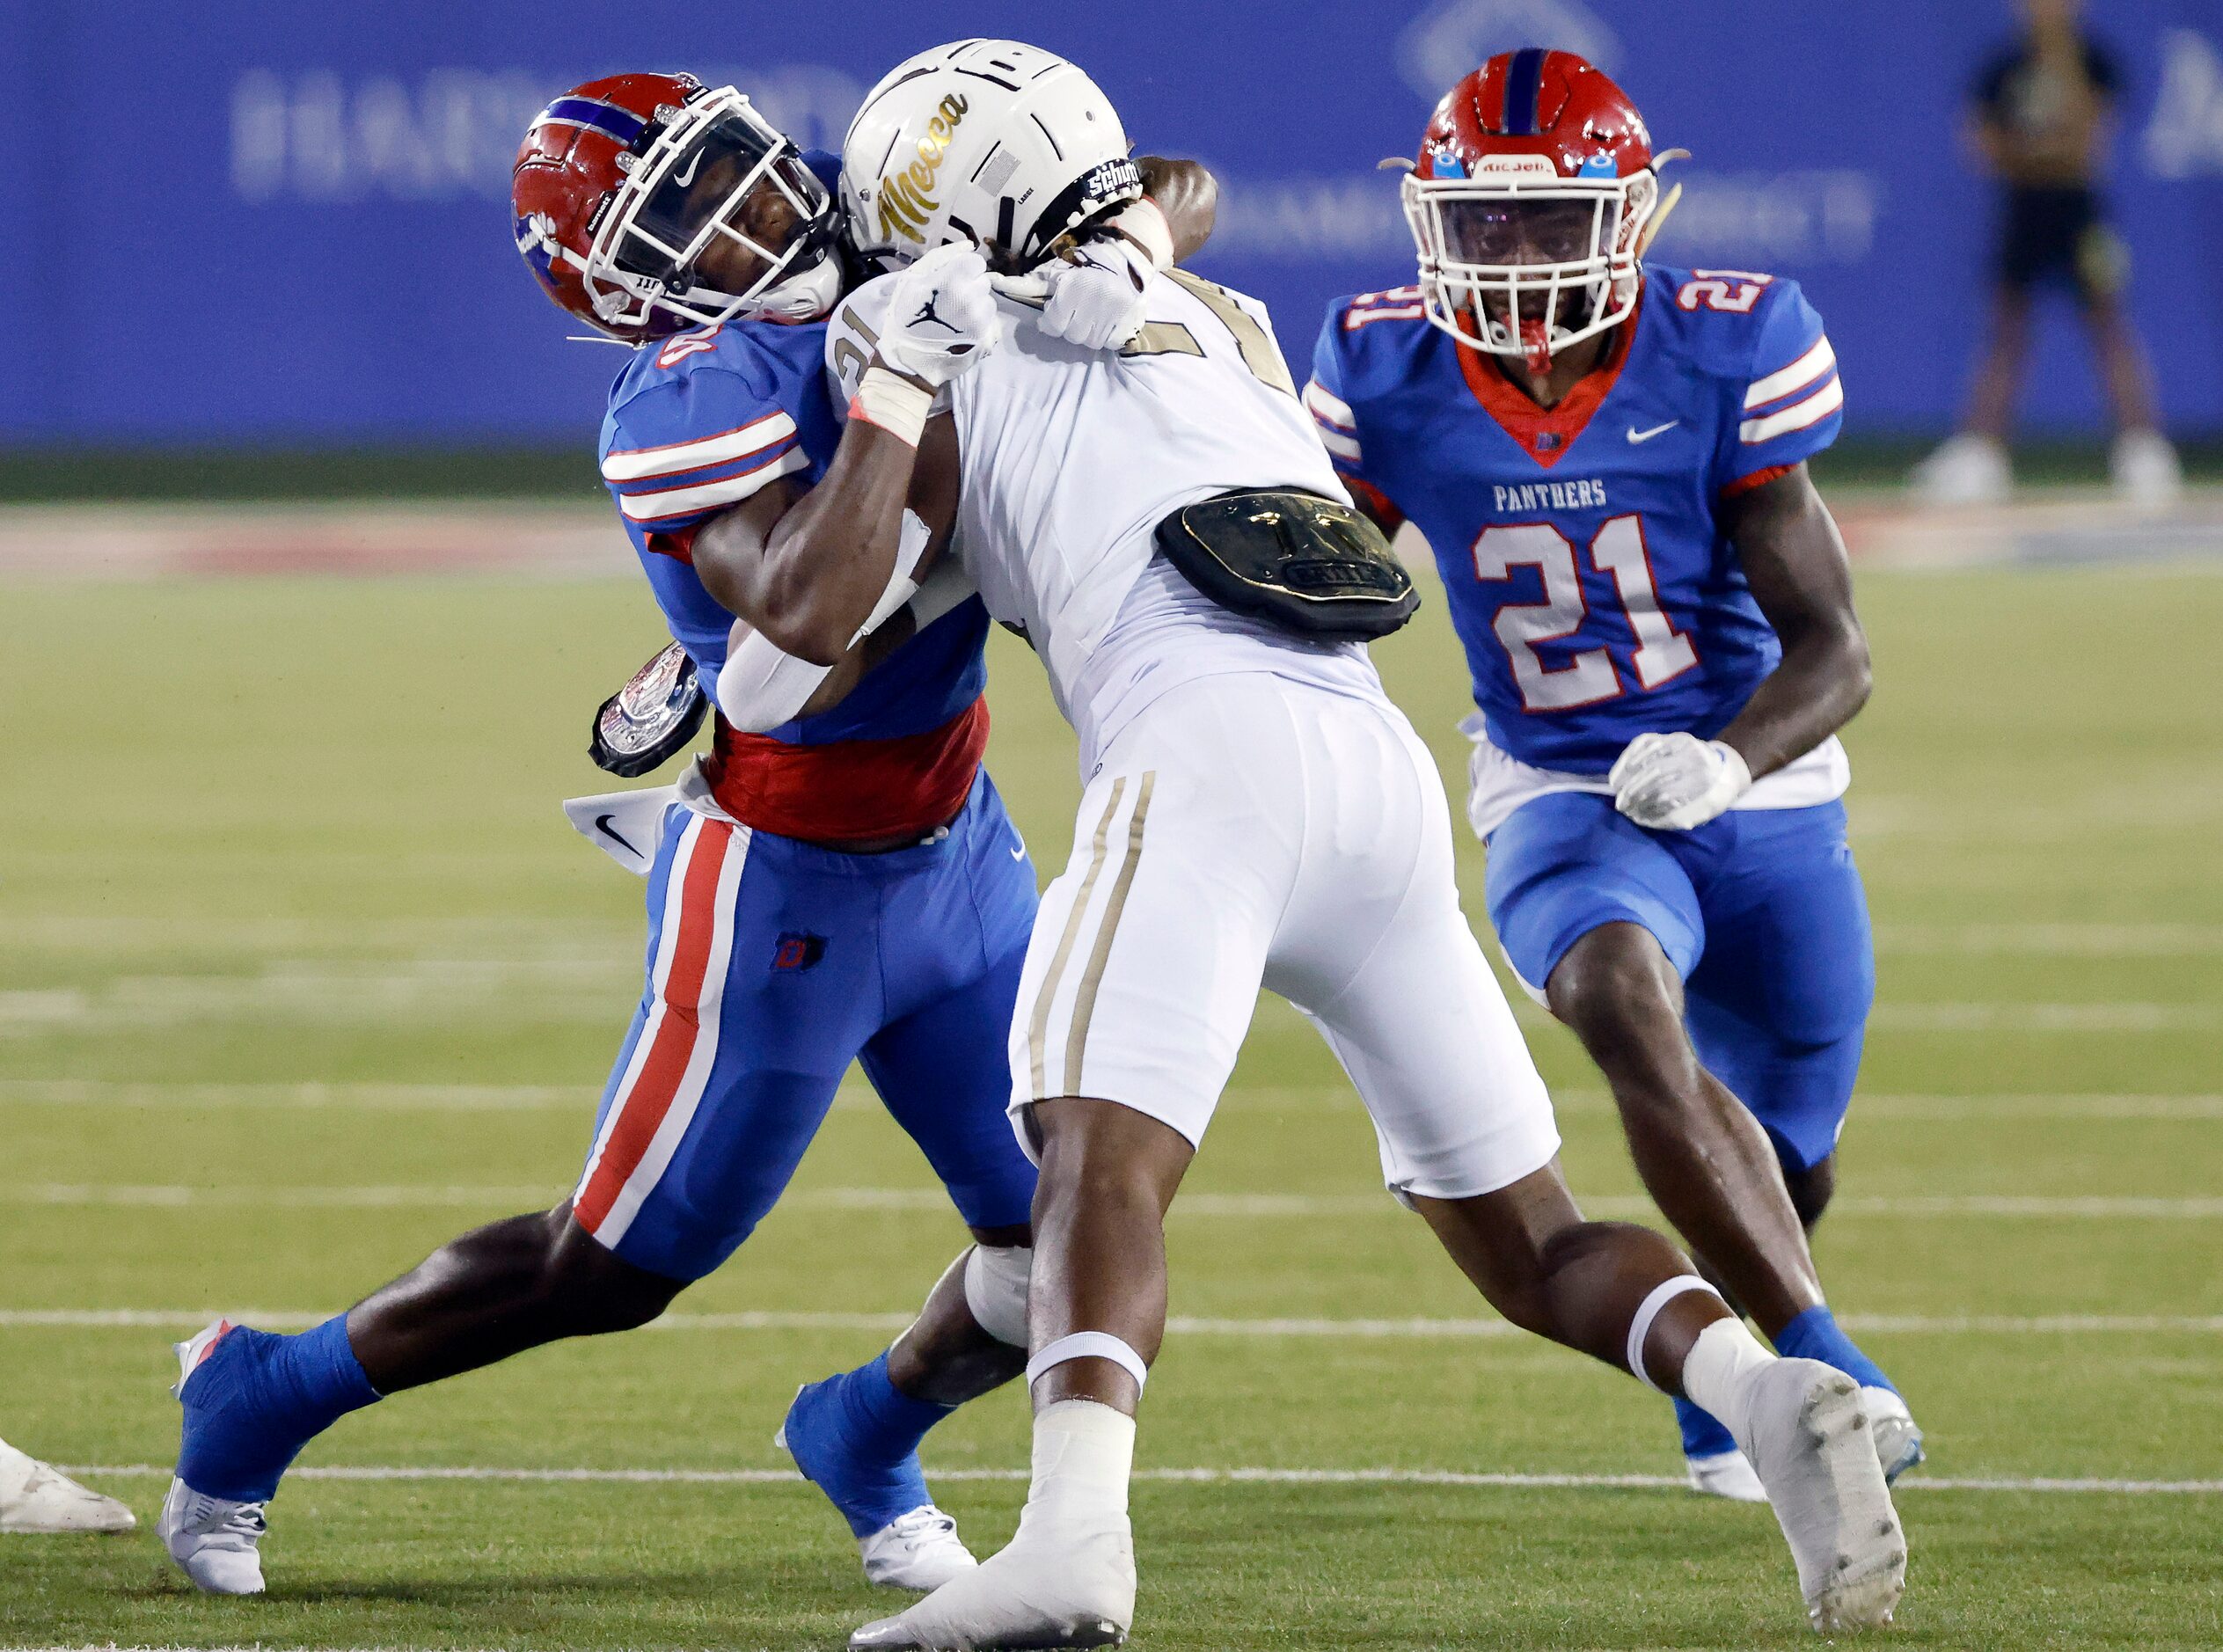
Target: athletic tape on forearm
[(893, 403), (912, 539), (760, 688), (1648, 1310), (1089, 1345)]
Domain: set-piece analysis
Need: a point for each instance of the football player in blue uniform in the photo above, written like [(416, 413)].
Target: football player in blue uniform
[(1608, 457), (837, 882)]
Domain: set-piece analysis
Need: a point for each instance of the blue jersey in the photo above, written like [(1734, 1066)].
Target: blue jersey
[(699, 422), (1580, 548)]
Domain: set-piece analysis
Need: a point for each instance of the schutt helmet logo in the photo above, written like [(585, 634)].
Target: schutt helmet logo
[(797, 950)]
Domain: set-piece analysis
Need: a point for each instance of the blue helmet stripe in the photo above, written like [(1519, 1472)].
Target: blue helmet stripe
[(1524, 82), (606, 118)]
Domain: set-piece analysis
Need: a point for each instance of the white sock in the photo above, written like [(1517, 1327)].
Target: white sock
[(1083, 1454), (1720, 1368)]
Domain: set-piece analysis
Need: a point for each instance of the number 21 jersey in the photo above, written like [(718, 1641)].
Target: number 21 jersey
[(1582, 554)]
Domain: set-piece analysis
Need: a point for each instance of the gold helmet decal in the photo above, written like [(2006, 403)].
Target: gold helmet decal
[(907, 196)]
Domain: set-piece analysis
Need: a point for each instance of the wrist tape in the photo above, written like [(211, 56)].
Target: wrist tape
[(886, 399)]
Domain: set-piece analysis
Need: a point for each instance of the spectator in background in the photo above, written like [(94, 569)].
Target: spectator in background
[(2039, 119)]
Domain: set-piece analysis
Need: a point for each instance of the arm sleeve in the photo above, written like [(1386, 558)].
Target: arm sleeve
[(1792, 404), (685, 449)]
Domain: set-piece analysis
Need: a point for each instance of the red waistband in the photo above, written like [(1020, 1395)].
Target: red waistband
[(851, 790)]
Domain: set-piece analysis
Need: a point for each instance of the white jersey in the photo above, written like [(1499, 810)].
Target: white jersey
[(1070, 459)]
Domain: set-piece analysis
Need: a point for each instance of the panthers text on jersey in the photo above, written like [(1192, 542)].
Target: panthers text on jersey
[(1580, 547), (699, 422)]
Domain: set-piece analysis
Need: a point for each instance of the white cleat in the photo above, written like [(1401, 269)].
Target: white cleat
[(2145, 469), (1725, 1474), (1807, 1437), (1898, 1441), (213, 1539), (36, 1497), (1965, 470), (1033, 1595), (919, 1551)]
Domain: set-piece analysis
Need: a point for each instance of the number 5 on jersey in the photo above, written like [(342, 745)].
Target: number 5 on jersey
[(1663, 652)]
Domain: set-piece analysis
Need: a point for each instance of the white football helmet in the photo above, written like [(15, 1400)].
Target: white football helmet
[(988, 143)]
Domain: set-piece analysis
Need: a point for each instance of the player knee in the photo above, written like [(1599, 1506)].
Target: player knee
[(1617, 990), (587, 1290), (1812, 1190), (996, 1290)]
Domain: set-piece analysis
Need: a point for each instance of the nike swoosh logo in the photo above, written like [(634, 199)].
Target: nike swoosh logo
[(1636, 435), (1019, 854), (603, 825), (694, 164)]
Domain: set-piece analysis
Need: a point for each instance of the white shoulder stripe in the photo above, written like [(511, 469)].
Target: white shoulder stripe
[(1783, 381), (1336, 443), (1797, 416), (629, 464), (1328, 409), (648, 509)]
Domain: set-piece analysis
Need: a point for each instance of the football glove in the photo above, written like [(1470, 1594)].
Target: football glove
[(941, 316), (1095, 299), (1673, 782)]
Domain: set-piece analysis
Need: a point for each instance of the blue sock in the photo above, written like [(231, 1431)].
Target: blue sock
[(258, 1399), (1815, 1334), (857, 1437), (1702, 1435)]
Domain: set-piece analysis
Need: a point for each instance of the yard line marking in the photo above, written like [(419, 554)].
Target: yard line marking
[(1181, 1325), (2197, 1207), (2042, 1018), (187, 1095), (1173, 1476), (2056, 940)]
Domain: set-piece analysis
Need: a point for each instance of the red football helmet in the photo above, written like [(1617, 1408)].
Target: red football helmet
[(1530, 204), (645, 203)]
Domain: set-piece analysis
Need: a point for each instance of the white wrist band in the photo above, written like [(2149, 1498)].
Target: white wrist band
[(884, 398)]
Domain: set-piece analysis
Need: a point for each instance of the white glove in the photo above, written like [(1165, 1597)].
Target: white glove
[(1096, 300), (941, 315), (1673, 782)]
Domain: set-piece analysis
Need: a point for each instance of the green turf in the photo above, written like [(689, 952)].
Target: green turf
[(261, 835)]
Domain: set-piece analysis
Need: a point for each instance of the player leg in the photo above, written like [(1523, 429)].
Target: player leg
[(1411, 1009), (713, 1099), (941, 1070), (1776, 1010), (1140, 979)]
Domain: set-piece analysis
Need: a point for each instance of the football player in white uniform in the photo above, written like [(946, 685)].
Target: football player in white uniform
[(1256, 812)]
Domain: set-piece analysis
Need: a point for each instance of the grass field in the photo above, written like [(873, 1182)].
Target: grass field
[(301, 972)]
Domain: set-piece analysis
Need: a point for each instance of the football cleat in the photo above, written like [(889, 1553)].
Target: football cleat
[(1807, 1435), (1725, 1474), (1898, 1441), (2145, 469), (36, 1497), (213, 1539), (1965, 470), (919, 1551), (1034, 1594)]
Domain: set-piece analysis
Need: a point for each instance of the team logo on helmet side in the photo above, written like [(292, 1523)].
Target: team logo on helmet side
[(907, 198)]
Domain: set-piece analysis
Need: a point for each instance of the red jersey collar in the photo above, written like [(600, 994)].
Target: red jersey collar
[(1545, 434)]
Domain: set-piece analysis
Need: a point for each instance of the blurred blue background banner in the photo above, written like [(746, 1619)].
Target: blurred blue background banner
[(286, 223)]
